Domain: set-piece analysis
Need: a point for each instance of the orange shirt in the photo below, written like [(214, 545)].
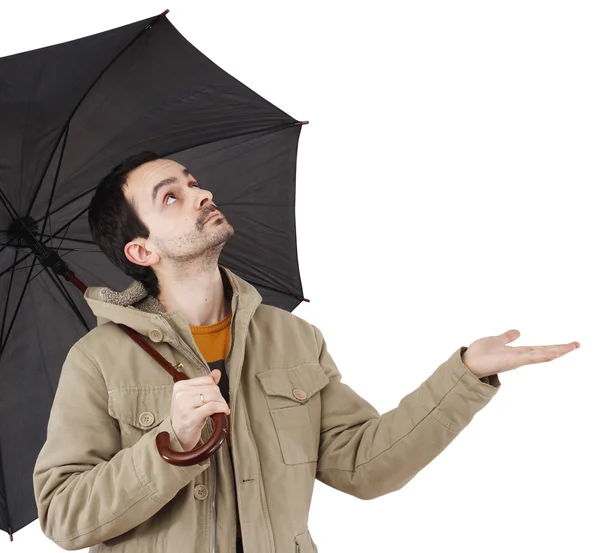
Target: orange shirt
[(213, 340)]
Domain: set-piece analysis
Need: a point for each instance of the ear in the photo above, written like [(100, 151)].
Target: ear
[(137, 252)]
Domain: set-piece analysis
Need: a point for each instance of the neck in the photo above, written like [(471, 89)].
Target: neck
[(199, 295)]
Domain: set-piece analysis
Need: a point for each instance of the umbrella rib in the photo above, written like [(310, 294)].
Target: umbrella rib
[(79, 240), (66, 225), (3, 482), (12, 324), (63, 238), (4, 246), (71, 201), (69, 250), (62, 153), (12, 275), (263, 130), (18, 262), (65, 249), (83, 97), (68, 299), (11, 210), (287, 293)]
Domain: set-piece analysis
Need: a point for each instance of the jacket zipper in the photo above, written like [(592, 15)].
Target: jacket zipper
[(262, 497), (263, 503), (232, 334), (189, 353)]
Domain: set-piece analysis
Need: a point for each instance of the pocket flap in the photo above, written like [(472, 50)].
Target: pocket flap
[(141, 406), (298, 383)]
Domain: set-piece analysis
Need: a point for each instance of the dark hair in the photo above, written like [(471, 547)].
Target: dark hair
[(114, 222)]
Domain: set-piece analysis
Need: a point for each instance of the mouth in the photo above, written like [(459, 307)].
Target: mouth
[(212, 216)]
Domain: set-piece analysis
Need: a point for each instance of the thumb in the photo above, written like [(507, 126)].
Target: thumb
[(216, 375), (509, 336)]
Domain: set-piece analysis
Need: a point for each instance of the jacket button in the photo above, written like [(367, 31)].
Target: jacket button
[(156, 335), (146, 419), (299, 394), (200, 492)]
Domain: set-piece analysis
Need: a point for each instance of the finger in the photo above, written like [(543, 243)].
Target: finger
[(509, 336), (196, 399), (542, 354), (216, 375), (210, 392), (213, 407), (195, 382), (572, 345)]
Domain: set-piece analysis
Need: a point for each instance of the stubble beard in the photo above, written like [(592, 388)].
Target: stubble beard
[(200, 248)]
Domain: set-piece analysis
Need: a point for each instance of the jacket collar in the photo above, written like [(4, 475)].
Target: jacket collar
[(135, 308)]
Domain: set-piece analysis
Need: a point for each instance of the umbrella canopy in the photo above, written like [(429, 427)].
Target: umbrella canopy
[(68, 114)]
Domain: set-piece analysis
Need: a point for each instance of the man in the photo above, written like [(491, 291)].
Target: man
[(99, 480)]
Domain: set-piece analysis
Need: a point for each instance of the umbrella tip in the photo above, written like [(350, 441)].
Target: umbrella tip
[(155, 19), (10, 533), (302, 299), (299, 123)]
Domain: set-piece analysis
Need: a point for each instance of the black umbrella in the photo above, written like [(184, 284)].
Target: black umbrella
[(68, 114)]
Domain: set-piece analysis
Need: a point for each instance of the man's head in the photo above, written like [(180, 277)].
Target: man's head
[(149, 215)]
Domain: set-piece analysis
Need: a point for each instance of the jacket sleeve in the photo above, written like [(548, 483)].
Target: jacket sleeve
[(87, 488), (368, 455)]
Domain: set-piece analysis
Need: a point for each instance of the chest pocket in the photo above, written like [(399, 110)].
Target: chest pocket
[(139, 409), (294, 403)]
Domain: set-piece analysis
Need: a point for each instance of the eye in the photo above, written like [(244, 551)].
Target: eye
[(169, 197), (195, 185)]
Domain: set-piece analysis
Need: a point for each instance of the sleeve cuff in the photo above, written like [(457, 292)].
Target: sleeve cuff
[(454, 394), (491, 380)]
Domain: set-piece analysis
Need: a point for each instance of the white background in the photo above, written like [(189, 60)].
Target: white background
[(447, 190)]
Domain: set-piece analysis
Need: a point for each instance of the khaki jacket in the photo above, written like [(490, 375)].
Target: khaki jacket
[(99, 481)]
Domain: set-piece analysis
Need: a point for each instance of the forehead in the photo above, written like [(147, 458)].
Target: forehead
[(141, 181)]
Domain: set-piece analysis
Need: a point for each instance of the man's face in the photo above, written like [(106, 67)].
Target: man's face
[(183, 222)]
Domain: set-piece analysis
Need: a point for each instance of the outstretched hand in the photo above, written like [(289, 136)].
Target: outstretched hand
[(491, 355)]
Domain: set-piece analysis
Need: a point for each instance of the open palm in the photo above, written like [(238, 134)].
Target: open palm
[(492, 355)]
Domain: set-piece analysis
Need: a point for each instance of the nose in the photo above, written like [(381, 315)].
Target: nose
[(203, 199)]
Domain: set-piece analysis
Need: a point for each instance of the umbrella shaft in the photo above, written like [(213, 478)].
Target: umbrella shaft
[(70, 276), (23, 233)]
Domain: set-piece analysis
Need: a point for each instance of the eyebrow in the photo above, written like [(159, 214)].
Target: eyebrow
[(166, 182)]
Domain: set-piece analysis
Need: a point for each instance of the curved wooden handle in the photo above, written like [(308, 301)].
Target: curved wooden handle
[(198, 454), (163, 440)]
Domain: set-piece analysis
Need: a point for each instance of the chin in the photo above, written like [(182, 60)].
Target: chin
[(223, 226), (219, 235)]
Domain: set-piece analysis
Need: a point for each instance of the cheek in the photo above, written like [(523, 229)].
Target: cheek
[(174, 233), (165, 225), (161, 232)]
